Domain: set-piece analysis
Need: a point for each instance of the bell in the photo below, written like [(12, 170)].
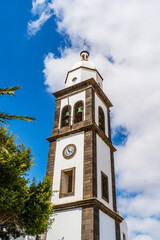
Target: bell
[(66, 121), (80, 110), (67, 114)]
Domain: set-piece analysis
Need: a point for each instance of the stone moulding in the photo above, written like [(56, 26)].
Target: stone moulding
[(81, 128), (91, 202), (90, 83)]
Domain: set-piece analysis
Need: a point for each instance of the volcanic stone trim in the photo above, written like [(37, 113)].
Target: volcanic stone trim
[(109, 124), (87, 203), (81, 87), (90, 224), (94, 146), (51, 159), (42, 237), (80, 127), (117, 228), (56, 117), (113, 182), (96, 224), (93, 105), (90, 165), (88, 107)]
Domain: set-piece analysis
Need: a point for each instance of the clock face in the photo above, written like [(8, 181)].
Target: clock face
[(69, 151)]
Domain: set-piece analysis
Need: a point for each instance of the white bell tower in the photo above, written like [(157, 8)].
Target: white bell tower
[(81, 160)]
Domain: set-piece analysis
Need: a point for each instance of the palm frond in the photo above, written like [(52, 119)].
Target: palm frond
[(9, 91), (4, 117)]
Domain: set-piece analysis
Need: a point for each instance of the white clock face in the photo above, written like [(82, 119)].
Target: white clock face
[(69, 151)]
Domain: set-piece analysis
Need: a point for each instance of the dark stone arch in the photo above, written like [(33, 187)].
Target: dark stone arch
[(101, 119), (78, 111), (66, 116)]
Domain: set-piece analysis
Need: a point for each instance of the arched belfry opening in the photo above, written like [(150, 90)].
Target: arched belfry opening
[(101, 119), (66, 116), (78, 111)]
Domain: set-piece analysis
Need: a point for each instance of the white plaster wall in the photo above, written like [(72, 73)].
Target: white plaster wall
[(98, 103), (83, 74), (67, 226), (61, 163), (104, 165), (124, 229), (87, 74), (72, 100), (107, 227), (76, 73)]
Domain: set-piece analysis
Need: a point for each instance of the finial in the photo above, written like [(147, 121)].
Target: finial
[(84, 54), (84, 44)]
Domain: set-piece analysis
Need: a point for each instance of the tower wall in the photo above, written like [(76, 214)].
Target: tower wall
[(107, 227), (104, 165), (99, 103), (67, 225), (62, 164), (96, 218)]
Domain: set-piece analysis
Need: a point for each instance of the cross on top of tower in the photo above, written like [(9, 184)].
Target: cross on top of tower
[(84, 54), (84, 44)]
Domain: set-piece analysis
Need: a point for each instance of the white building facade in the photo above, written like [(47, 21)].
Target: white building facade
[(81, 160)]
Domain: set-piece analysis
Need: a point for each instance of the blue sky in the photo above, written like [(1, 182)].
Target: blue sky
[(41, 40), (22, 64)]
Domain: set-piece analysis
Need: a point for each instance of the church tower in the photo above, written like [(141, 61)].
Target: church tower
[(81, 160)]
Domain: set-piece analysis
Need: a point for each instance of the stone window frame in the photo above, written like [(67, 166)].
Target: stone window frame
[(74, 111), (103, 197), (124, 236), (66, 194), (63, 112), (102, 120)]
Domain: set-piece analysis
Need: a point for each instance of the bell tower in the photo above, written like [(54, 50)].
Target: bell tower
[(81, 160)]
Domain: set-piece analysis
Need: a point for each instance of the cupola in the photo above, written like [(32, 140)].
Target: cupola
[(83, 70)]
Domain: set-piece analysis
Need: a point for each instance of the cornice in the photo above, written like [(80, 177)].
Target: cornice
[(84, 68), (66, 131), (81, 87), (91, 202)]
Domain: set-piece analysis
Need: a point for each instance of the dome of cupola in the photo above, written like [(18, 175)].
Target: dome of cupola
[(82, 71)]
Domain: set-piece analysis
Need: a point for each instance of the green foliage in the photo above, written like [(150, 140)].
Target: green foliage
[(25, 207), (9, 91), (4, 117)]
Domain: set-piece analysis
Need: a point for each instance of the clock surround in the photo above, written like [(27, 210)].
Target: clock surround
[(69, 151)]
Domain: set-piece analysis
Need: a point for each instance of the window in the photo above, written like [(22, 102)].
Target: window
[(67, 182), (104, 182), (101, 119), (78, 112), (66, 116), (124, 236), (74, 79)]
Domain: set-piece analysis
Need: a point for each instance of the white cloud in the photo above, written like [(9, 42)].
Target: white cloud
[(128, 31), (44, 11)]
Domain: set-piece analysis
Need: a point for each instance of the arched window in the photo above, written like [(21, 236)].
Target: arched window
[(101, 119), (66, 116), (78, 111)]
